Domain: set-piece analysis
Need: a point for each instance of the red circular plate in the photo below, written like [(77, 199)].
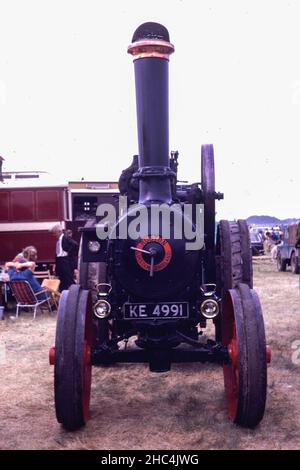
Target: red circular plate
[(167, 253)]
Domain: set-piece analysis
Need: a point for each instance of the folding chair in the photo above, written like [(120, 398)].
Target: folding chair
[(25, 296), (52, 286), (42, 274)]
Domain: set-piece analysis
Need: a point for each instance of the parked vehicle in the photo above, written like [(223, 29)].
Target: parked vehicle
[(257, 246), (288, 250)]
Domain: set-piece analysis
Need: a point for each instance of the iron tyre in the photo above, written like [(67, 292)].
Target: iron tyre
[(72, 368), (245, 376)]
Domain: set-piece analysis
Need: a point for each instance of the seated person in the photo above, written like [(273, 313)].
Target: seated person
[(22, 268)]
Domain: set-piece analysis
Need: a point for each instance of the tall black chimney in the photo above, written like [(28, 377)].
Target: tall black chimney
[(151, 49)]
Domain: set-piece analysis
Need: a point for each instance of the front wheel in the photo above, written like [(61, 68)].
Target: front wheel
[(245, 376), (72, 367)]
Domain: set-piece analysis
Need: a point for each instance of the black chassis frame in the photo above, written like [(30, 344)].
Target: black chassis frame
[(160, 359)]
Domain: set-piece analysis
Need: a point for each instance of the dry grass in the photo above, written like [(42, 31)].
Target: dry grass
[(134, 409)]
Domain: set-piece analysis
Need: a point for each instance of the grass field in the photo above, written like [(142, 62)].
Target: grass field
[(132, 408)]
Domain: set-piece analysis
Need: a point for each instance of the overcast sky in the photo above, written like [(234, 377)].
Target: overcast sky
[(67, 97)]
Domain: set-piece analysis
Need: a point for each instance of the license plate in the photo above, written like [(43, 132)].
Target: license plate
[(174, 310)]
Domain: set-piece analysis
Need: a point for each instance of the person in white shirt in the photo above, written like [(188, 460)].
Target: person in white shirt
[(64, 246)]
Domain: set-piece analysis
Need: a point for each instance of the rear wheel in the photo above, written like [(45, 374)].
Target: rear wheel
[(294, 263), (233, 259), (72, 368), (234, 255), (281, 262), (245, 376)]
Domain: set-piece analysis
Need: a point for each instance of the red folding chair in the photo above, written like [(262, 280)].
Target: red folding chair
[(26, 298)]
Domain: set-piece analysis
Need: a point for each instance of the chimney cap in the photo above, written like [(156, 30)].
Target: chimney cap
[(151, 30)]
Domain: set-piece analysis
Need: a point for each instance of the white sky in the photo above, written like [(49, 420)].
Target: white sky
[(67, 97)]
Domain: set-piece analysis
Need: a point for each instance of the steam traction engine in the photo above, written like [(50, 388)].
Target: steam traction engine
[(148, 299)]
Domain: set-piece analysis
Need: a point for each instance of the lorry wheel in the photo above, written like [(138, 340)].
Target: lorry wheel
[(280, 262), (72, 366), (208, 191), (245, 376), (294, 263)]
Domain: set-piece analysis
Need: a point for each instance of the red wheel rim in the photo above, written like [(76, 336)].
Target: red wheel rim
[(231, 377), (245, 374), (231, 370)]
